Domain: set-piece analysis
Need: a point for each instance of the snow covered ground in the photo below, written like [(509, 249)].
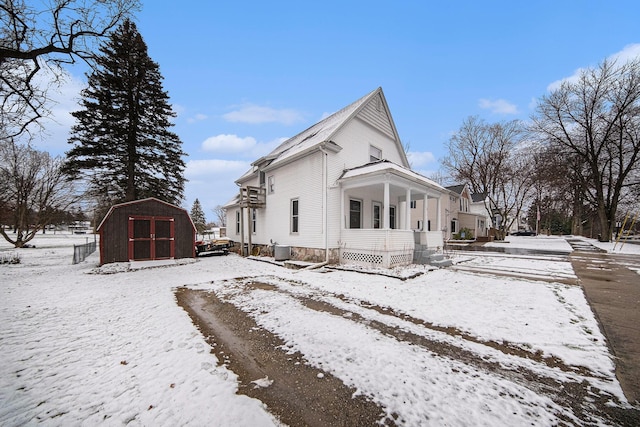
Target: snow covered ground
[(82, 348)]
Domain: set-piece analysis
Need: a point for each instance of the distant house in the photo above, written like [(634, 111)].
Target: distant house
[(147, 229), (464, 215), (458, 210), (340, 191)]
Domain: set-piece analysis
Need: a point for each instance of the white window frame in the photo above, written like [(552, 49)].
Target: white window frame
[(237, 221), (392, 216), (375, 153), (350, 212), (295, 216), (380, 218), (254, 216), (271, 182)]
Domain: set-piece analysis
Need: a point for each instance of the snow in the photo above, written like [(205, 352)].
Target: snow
[(540, 242), (110, 345)]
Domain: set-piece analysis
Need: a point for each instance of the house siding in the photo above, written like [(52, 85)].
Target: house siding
[(355, 139), (375, 115)]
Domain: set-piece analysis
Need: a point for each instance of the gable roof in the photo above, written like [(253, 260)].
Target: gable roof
[(141, 201), (320, 134), (478, 197), (456, 188), (384, 166)]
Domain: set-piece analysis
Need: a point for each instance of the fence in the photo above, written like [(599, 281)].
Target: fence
[(80, 252)]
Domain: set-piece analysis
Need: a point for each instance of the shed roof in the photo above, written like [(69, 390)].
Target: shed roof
[(134, 202)]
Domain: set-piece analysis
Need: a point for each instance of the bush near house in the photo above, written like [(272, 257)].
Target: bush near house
[(464, 234)]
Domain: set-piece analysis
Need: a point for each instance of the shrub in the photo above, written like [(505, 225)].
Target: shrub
[(464, 234), (9, 258)]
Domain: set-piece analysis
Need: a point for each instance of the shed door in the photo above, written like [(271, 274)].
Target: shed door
[(151, 238)]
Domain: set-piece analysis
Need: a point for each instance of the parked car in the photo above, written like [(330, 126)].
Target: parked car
[(523, 233)]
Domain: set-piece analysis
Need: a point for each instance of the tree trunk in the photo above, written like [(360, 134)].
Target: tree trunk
[(606, 226)]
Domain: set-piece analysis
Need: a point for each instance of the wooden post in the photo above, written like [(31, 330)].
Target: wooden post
[(241, 224), (250, 229)]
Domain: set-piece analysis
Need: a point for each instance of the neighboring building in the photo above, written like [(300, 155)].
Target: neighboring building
[(457, 210), (147, 229), (461, 215), (339, 192)]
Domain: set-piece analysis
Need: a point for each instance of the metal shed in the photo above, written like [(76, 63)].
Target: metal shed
[(147, 229)]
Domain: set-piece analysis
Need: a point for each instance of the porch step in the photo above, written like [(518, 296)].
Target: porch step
[(423, 255)]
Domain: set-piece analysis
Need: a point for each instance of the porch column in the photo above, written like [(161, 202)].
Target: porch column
[(386, 223), (342, 217), (425, 214), (438, 215), (407, 218)]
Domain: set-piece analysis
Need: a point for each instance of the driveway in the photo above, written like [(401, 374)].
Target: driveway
[(612, 288)]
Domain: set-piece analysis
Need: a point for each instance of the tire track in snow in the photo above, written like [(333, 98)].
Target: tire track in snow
[(576, 390)]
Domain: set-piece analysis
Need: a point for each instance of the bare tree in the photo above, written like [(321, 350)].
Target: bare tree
[(492, 159), (39, 35), (34, 191), (221, 215), (595, 121)]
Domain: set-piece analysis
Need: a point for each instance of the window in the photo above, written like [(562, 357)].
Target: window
[(454, 226), (413, 204), (375, 154), (237, 222), (253, 220), (355, 213), (464, 204), (295, 215), (377, 215), (271, 184), (392, 217), (261, 179)]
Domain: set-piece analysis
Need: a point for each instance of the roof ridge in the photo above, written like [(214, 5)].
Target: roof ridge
[(307, 133)]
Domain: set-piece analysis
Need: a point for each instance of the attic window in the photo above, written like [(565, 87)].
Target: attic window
[(375, 154)]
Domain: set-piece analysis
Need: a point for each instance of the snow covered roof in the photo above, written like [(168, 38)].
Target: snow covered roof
[(377, 167), (313, 137)]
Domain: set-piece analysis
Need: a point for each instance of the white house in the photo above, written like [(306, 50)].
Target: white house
[(339, 192)]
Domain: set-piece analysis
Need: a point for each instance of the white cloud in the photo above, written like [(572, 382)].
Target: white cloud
[(201, 169), (629, 52), (197, 118), (255, 114), (419, 159), (248, 146), (64, 100), (229, 143), (498, 106)]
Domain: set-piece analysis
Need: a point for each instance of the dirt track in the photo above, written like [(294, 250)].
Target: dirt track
[(299, 394), (302, 395)]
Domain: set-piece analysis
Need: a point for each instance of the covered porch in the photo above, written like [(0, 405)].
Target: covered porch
[(375, 210)]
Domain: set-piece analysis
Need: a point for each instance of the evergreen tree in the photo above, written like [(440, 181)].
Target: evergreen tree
[(197, 216), (122, 143)]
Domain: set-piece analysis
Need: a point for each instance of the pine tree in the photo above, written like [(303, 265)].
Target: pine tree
[(122, 143), (197, 216)]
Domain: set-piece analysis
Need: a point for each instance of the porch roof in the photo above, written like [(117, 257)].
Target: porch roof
[(381, 170)]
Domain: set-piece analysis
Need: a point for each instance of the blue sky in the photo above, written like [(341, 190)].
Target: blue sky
[(245, 75)]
